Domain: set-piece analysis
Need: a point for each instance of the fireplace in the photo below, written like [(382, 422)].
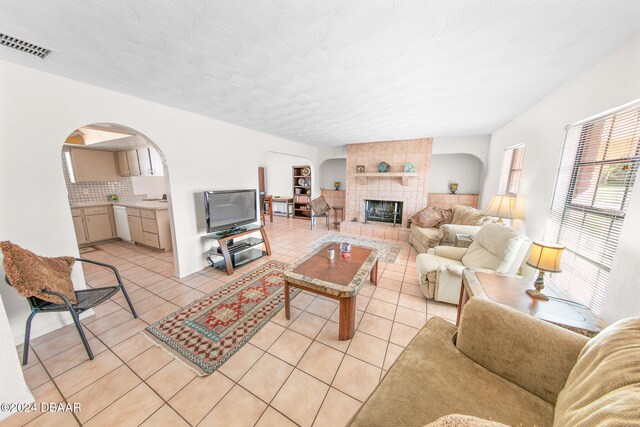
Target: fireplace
[(383, 211)]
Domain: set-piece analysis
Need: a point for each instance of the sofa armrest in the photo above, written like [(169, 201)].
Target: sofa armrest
[(450, 252), (449, 232), (522, 349)]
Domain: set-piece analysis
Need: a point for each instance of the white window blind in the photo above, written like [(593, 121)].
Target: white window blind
[(597, 172)]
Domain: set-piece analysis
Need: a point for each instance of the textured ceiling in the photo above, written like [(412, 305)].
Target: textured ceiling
[(327, 72)]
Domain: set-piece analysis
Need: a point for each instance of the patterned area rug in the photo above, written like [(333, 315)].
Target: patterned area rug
[(387, 251), (207, 332)]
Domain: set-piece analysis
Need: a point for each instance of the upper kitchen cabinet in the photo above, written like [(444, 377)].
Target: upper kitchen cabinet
[(93, 165), (128, 164), (150, 162)]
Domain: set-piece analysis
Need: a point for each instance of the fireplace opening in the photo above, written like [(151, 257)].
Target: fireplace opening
[(383, 211)]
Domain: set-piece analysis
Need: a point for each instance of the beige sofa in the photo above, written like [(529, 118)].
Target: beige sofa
[(495, 247), (465, 220), (509, 367)]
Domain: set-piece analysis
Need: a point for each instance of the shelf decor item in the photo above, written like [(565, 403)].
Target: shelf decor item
[(337, 185), (545, 257), (408, 167), (305, 171), (360, 169), (384, 167), (453, 187), (301, 181)]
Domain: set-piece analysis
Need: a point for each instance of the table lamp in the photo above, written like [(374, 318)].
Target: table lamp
[(502, 206), (545, 257)]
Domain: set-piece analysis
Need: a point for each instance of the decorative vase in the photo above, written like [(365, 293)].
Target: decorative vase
[(453, 187), (384, 167), (337, 185)]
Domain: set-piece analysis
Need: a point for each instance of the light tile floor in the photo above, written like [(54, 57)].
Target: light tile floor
[(293, 372)]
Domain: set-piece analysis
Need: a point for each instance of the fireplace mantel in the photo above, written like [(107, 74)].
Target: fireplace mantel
[(404, 176)]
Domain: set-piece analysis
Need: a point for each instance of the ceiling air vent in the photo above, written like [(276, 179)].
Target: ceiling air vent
[(24, 46)]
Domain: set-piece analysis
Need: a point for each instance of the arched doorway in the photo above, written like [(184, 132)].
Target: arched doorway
[(279, 182), (117, 183)]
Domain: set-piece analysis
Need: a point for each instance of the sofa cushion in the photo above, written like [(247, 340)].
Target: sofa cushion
[(424, 238), (603, 387), (431, 379), (520, 347), (29, 273), (430, 217), (467, 215), (493, 246)]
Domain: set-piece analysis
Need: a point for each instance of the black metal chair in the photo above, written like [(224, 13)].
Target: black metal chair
[(87, 298)]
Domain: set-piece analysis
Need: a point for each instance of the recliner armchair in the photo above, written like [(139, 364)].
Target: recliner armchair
[(495, 247)]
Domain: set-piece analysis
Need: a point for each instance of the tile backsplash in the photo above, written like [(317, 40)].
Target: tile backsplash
[(89, 192)]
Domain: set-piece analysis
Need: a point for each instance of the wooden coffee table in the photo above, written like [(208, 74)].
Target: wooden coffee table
[(340, 279)]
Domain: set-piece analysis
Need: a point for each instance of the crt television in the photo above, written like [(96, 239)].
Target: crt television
[(225, 210)]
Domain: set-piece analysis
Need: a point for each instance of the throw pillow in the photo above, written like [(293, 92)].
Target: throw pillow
[(429, 217), (320, 206), (29, 273), (457, 420), (466, 215)]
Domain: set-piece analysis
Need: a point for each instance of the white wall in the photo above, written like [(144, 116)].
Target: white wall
[(612, 82), (278, 172), (39, 110), (465, 169), (13, 389), (477, 145), (332, 170)]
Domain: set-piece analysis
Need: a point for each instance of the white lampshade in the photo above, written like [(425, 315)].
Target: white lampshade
[(546, 256), (502, 206)]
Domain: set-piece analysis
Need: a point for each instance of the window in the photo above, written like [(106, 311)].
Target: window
[(515, 157), (598, 169)]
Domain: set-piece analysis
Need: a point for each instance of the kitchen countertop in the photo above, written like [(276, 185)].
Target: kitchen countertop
[(140, 204)]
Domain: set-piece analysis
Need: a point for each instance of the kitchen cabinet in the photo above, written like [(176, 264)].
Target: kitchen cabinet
[(99, 227), (135, 225), (150, 227), (93, 165), (93, 224), (150, 162), (128, 164), (78, 226)]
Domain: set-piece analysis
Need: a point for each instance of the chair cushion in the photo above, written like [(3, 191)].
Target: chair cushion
[(467, 215), (603, 387), (493, 246), (29, 273), (319, 206), (427, 266)]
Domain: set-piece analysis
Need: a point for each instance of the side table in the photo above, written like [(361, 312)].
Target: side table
[(510, 290), (336, 223)]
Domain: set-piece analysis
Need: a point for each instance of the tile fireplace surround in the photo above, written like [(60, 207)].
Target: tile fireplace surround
[(388, 188)]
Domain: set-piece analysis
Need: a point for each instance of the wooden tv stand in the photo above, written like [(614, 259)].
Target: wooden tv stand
[(241, 252)]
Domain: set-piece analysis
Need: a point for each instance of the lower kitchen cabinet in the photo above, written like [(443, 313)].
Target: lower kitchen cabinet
[(78, 226), (93, 224), (150, 227)]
